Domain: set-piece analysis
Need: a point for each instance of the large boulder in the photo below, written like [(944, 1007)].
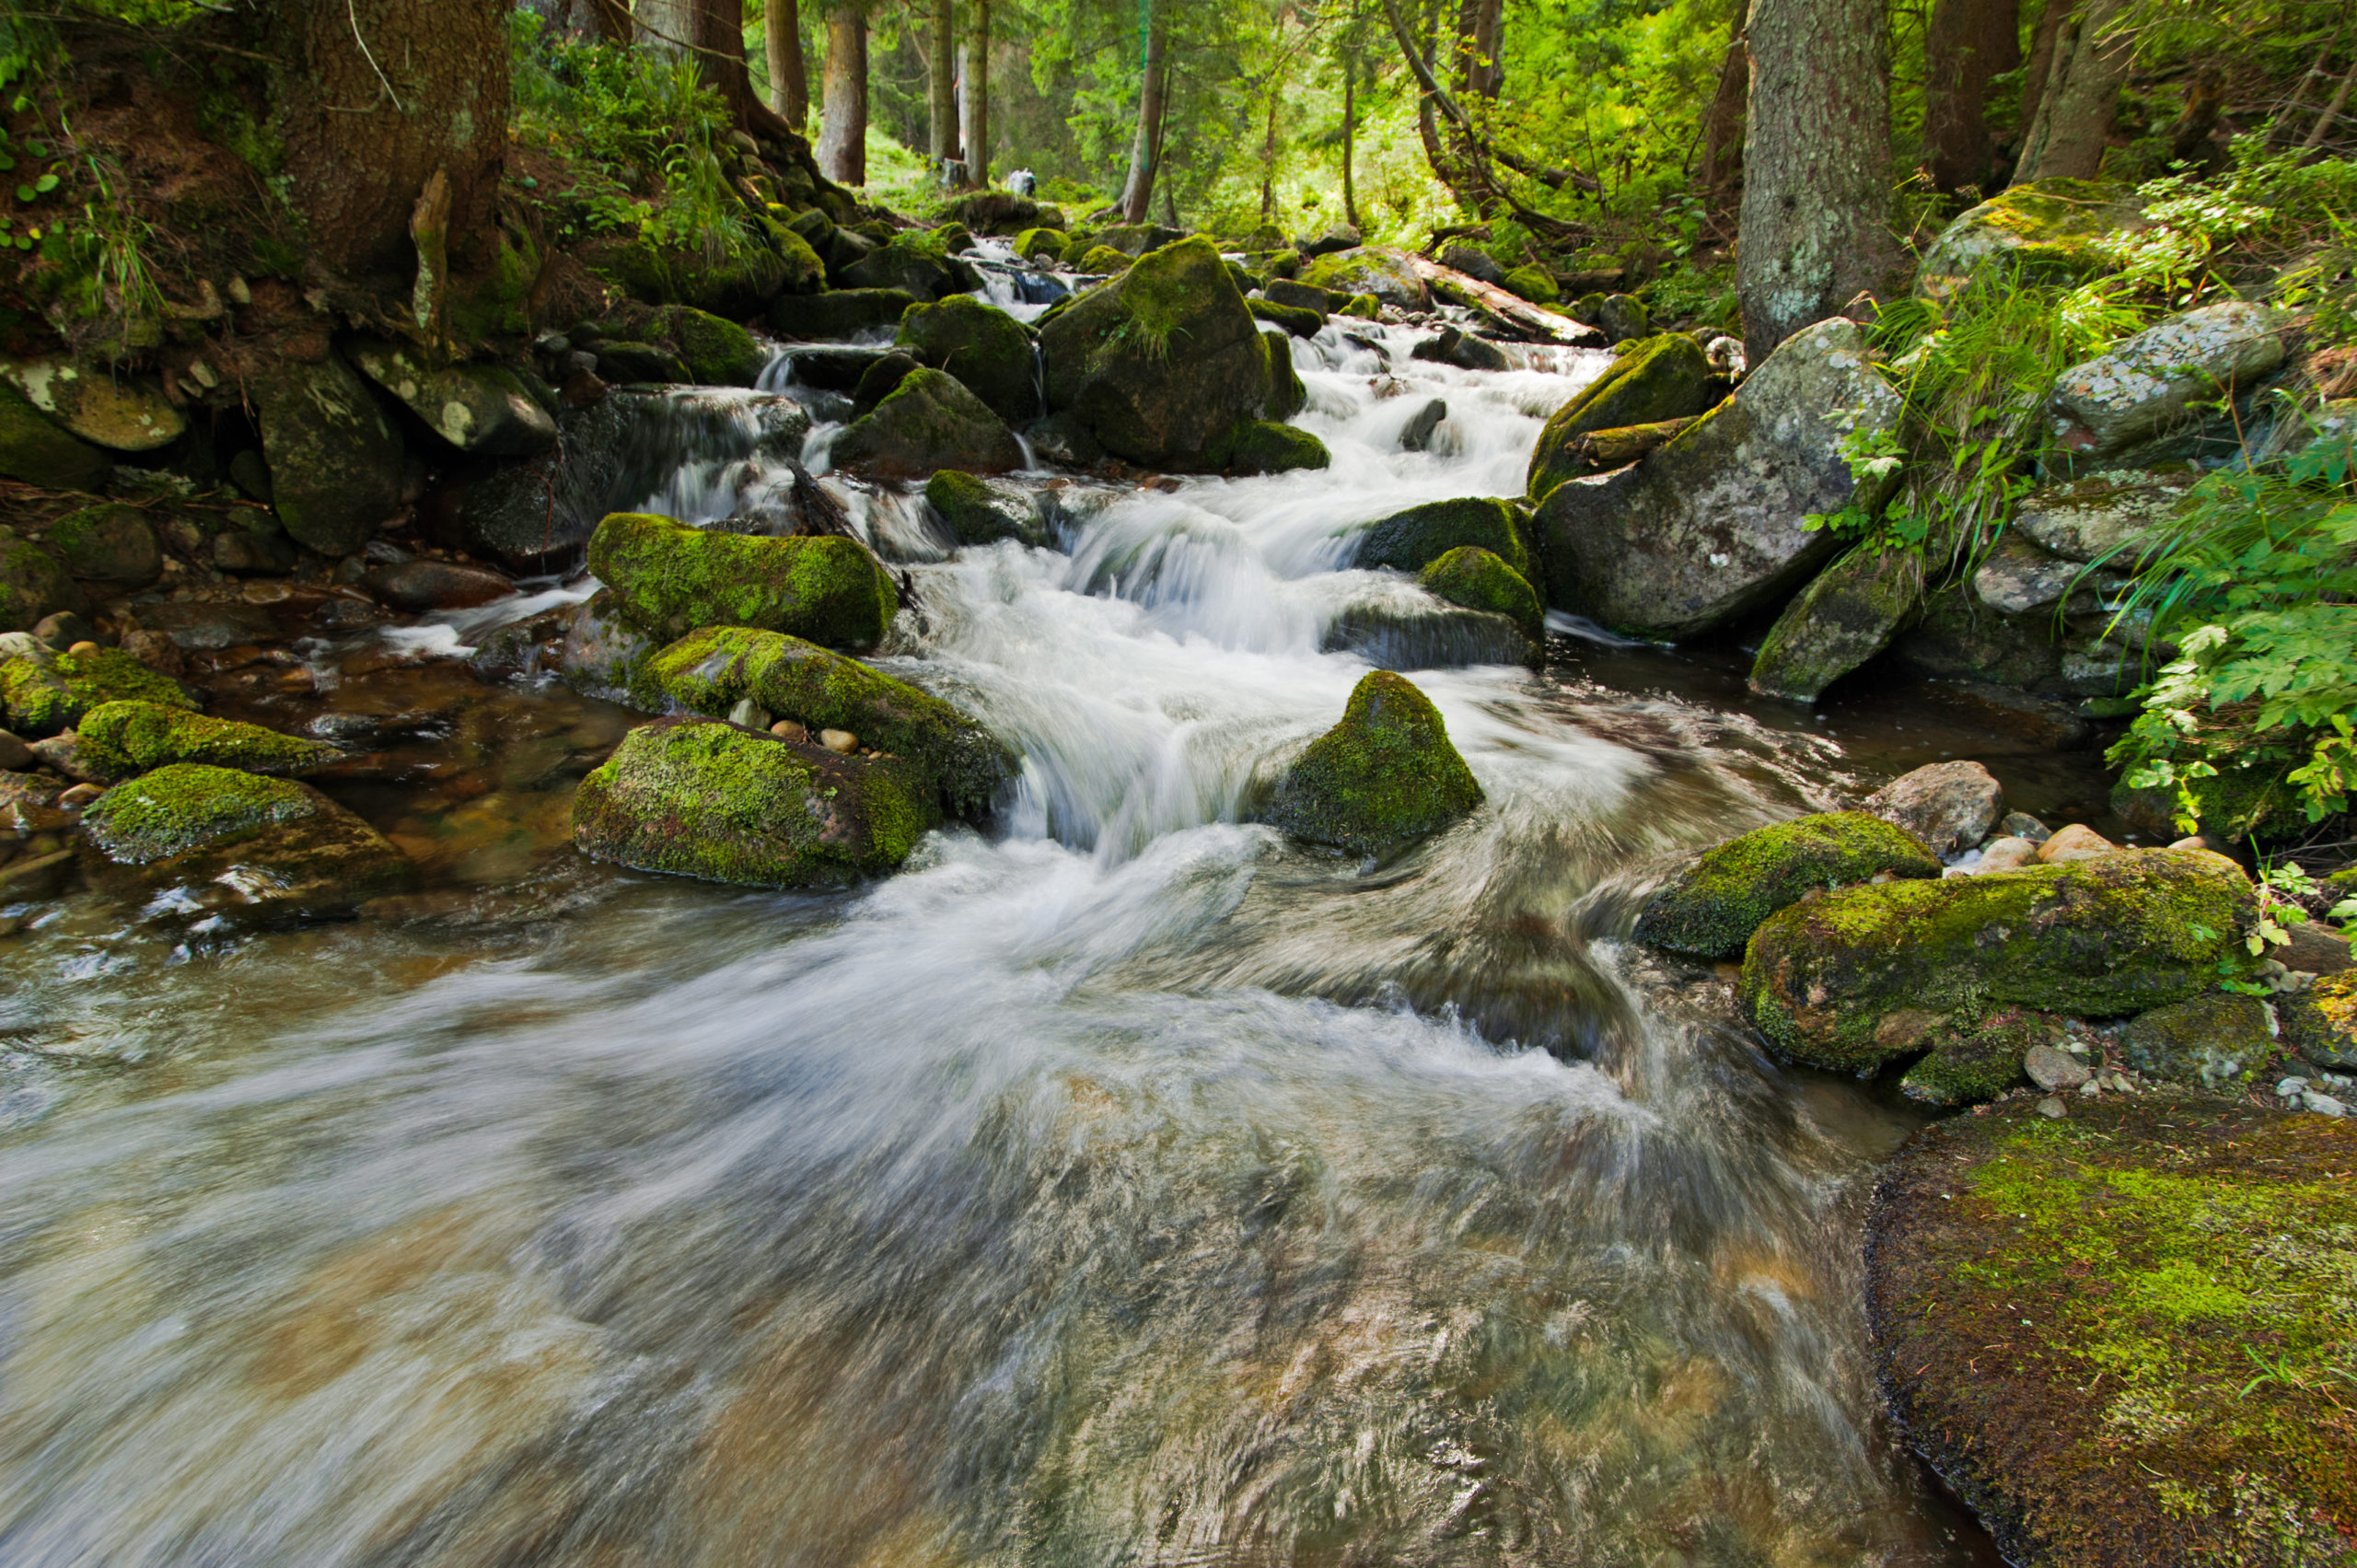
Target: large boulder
[(1654, 380), (46, 692), (1384, 776), (1949, 807), (697, 799), (1413, 540), (2121, 1336), (2217, 1040), (196, 845), (983, 347), (1712, 908), (713, 669), (40, 452), (918, 264), (335, 459), (107, 407), (838, 314), (2147, 385), (1387, 274), (2104, 517), (2043, 230), (668, 578), (1262, 445), (128, 738), (1161, 362), (1842, 619), (110, 543), (1714, 525), (930, 420), (1001, 211), (1861, 976), (483, 409), (33, 584), (737, 282)]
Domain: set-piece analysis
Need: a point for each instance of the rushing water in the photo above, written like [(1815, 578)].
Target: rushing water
[(1123, 1185)]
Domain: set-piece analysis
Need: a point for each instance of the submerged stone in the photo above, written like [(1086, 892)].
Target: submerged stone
[(1381, 778), (127, 738), (1260, 446), (1714, 906), (605, 656), (668, 579)]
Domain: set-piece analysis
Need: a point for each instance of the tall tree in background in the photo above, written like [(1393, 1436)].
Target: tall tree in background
[(664, 25), (1145, 149), (1817, 164), (789, 79), (1479, 69), (941, 84), (842, 128), (2081, 92), (1350, 131), (1722, 122), (1966, 43), (974, 97)]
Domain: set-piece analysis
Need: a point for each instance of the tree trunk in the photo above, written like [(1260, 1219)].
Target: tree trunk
[(1137, 189), (976, 103), (1968, 42), (941, 84), (789, 79), (1350, 132), (379, 95), (1478, 70), (2040, 67), (716, 40), (1269, 153), (665, 26), (842, 127), (2083, 86), (1722, 122), (1817, 162)]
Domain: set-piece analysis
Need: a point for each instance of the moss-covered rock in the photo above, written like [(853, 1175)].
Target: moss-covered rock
[(668, 579), (38, 452), (1104, 260), (1384, 776), (1713, 909), (1981, 1060), (881, 379), (483, 409), (983, 347), (2214, 1042), (33, 582), (929, 422), (735, 282), (1480, 579), (128, 738), (838, 314), (2122, 1336), (1262, 445), (1158, 364), (103, 404), (49, 691), (1413, 540), (1532, 284), (335, 459), (1661, 378), (1045, 246), (712, 670), (2040, 230), (1841, 620), (2320, 1023), (980, 511), (1857, 977), (1287, 394), (917, 263), (196, 844), (1364, 307), (718, 352), (1386, 274), (1295, 295), (1296, 321), (110, 543), (697, 799)]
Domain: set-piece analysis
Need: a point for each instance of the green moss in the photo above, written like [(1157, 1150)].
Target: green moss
[(1980, 1061), (2321, 1022), (1364, 307), (1260, 446), (668, 579), (987, 350), (713, 670), (1039, 245), (49, 692), (930, 420), (979, 514), (33, 582), (2217, 1041), (1105, 259), (1713, 909), (188, 806), (1830, 981), (1531, 284), (1297, 320), (718, 353), (1288, 395), (2124, 1336), (695, 798), (1652, 379), (1385, 775), (1412, 539), (1480, 579), (135, 736), (34, 450), (2043, 230), (1846, 615)]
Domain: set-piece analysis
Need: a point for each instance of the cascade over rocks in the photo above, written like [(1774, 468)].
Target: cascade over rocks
[(1480, 579), (335, 460), (1713, 525), (984, 511), (668, 579), (930, 420), (1712, 908), (1384, 776), (1661, 379)]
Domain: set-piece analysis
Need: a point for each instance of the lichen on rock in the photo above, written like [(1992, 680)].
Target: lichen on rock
[(1384, 776), (2321, 1022), (1712, 908)]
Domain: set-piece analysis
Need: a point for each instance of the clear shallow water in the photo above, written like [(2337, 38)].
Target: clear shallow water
[(1123, 1186)]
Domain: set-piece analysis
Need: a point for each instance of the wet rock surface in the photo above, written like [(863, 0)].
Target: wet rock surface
[(1711, 907), (1383, 777)]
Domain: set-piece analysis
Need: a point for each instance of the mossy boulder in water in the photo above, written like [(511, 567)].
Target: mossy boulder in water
[(2321, 1022), (1413, 540), (1387, 274), (2122, 1336), (33, 582), (137, 736), (1159, 366), (917, 263), (1287, 394), (718, 352), (668, 579), (712, 670), (1262, 446), (983, 347), (40, 453), (335, 459), (984, 511), (1660, 378), (1858, 977), (1480, 579), (697, 799), (196, 844), (930, 420), (1713, 909), (2218, 1041), (2043, 230), (1841, 620), (837, 314), (1384, 776), (49, 691)]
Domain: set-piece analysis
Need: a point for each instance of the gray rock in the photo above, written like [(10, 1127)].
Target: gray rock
[(2045, 230), (2148, 383), (482, 409), (1461, 350), (113, 544), (1332, 238), (1385, 273), (1713, 525), (16, 757), (2050, 1069), (208, 626), (103, 405), (2022, 825), (1949, 806), (930, 422), (64, 629), (254, 553), (2213, 1041), (33, 582), (1417, 434), (1844, 618), (335, 460), (605, 656), (2101, 515), (2322, 1104), (2017, 577), (1474, 265)]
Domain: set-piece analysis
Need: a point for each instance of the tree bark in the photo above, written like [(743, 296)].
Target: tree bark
[(2082, 89), (789, 79), (1478, 71), (2040, 67), (941, 84), (1817, 162), (1722, 122), (665, 26), (842, 127), (1967, 42), (1269, 153), (1137, 189), (1349, 134), (380, 94), (975, 103)]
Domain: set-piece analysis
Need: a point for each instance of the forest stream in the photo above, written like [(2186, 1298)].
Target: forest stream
[(1121, 1185)]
